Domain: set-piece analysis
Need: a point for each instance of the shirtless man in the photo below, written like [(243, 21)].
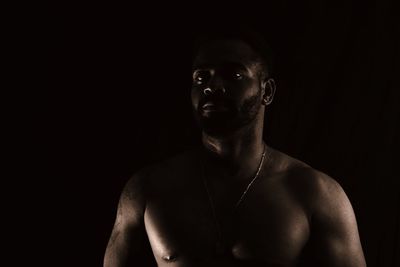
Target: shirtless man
[(235, 201)]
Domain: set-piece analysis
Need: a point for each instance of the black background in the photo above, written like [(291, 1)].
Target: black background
[(119, 77)]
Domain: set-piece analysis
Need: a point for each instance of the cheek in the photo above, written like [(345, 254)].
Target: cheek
[(245, 91), (195, 97)]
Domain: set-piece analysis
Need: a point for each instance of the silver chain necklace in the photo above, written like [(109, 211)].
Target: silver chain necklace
[(220, 245)]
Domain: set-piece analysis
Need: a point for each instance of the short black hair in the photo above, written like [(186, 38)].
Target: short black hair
[(240, 32)]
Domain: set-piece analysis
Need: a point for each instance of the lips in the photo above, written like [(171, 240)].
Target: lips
[(214, 107)]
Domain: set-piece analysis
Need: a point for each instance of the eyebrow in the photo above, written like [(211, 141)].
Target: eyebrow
[(225, 64)]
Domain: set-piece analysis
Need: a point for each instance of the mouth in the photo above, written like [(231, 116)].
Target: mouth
[(213, 107)]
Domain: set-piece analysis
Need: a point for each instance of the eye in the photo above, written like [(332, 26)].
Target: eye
[(237, 76), (200, 77), (199, 80), (232, 75)]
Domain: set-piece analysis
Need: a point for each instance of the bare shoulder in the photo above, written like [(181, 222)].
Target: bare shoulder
[(132, 199), (335, 239), (315, 188), (150, 180)]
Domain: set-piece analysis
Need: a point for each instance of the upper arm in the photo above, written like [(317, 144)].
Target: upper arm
[(128, 237), (334, 224)]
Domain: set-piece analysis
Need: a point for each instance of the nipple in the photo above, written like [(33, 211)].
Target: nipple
[(169, 257)]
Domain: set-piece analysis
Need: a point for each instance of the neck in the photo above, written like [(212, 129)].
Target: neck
[(237, 154)]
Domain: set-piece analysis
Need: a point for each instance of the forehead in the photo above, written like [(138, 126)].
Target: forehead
[(225, 51)]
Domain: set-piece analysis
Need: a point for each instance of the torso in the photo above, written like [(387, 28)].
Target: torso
[(269, 228)]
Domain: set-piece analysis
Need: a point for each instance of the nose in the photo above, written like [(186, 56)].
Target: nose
[(215, 85)]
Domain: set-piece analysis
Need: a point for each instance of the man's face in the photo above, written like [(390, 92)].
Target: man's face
[(226, 89)]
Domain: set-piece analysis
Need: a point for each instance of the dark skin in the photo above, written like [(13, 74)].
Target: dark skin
[(292, 215)]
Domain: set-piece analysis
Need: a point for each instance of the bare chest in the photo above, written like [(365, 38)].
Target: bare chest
[(183, 227)]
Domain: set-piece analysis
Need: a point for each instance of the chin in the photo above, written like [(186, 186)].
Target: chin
[(223, 125), (222, 129), (217, 132)]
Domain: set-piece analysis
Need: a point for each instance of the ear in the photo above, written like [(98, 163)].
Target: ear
[(269, 88)]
